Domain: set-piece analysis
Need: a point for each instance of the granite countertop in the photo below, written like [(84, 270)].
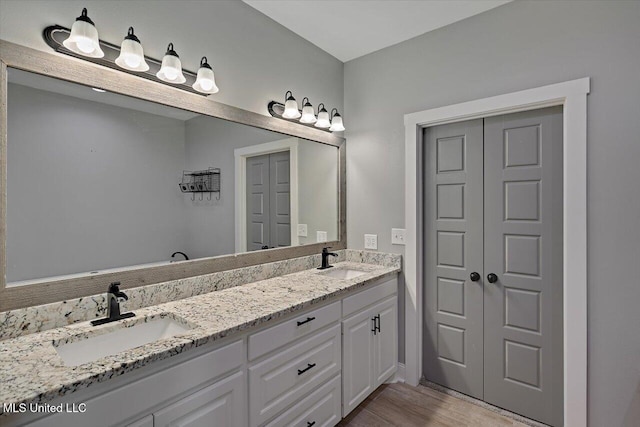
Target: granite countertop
[(31, 371)]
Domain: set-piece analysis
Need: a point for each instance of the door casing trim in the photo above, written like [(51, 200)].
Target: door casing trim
[(241, 155), (572, 95)]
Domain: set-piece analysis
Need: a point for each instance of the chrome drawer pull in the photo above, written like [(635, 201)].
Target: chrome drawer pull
[(309, 319), (309, 366)]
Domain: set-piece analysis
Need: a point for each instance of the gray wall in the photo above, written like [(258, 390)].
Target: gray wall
[(90, 186), (522, 45), (254, 58)]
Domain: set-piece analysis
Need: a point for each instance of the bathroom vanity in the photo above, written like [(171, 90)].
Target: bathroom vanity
[(304, 348)]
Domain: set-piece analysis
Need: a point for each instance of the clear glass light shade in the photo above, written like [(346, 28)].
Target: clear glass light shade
[(132, 56), (336, 124), (171, 70), (205, 82), (308, 115), (83, 40), (291, 109), (323, 120)]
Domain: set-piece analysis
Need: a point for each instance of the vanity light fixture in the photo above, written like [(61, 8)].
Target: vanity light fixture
[(83, 39), (323, 117), (131, 54), (308, 115), (82, 42), (205, 82), (171, 69), (336, 121), (290, 107)]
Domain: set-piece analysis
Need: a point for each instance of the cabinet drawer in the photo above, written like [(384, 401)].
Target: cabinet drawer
[(320, 409), (219, 405), (284, 378), (364, 299), (270, 339)]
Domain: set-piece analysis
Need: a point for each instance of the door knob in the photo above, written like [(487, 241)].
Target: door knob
[(492, 278), (474, 276)]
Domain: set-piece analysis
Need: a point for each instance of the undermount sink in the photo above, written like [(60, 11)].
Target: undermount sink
[(343, 273), (84, 350)]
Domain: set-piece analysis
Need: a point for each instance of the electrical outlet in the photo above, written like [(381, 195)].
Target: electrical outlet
[(371, 241), (302, 230), (321, 236), (397, 236)]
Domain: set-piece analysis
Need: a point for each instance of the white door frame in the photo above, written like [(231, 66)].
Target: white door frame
[(572, 95), (241, 155)]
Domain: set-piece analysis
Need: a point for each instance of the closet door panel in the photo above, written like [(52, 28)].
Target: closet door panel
[(452, 339), (523, 248)]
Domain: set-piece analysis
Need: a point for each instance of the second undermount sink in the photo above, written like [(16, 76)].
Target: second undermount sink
[(343, 273), (83, 350)]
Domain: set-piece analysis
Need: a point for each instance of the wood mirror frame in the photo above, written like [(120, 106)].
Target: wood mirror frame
[(82, 72)]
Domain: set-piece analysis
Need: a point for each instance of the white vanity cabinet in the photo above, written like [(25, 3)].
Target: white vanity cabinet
[(207, 384), (370, 342), (310, 369)]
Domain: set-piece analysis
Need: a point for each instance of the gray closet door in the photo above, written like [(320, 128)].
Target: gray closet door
[(258, 202), (280, 200), (523, 248), (452, 340)]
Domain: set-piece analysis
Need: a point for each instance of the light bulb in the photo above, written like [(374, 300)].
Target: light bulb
[(323, 118), (170, 73), (206, 84), (132, 61), (308, 115), (85, 44)]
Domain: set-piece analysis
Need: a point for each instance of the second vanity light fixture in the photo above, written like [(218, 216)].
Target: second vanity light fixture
[(289, 110), (82, 41)]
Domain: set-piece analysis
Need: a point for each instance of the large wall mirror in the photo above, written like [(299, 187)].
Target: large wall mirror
[(102, 185)]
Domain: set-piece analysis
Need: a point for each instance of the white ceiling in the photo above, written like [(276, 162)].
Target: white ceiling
[(348, 29)]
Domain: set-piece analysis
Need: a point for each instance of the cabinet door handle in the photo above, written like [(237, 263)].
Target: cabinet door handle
[(311, 423), (309, 366), (309, 319), (373, 319), (378, 327)]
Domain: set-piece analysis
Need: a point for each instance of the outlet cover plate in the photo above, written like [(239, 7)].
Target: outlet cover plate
[(321, 236), (371, 241), (302, 230), (397, 236)]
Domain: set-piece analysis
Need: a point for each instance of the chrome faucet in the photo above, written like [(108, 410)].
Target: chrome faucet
[(113, 294), (325, 258)]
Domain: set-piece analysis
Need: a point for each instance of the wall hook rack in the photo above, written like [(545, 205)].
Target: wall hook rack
[(202, 181)]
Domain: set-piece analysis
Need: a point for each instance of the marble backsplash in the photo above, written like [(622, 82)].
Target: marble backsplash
[(15, 323)]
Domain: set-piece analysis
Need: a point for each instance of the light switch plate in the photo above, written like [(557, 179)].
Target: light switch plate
[(321, 236), (371, 241), (397, 236), (302, 230)]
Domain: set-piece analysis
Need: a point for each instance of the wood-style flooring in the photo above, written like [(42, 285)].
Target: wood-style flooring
[(403, 405)]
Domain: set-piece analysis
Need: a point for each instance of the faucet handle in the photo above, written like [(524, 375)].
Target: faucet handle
[(114, 288)]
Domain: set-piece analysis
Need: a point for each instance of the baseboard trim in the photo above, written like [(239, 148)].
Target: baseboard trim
[(400, 374)]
